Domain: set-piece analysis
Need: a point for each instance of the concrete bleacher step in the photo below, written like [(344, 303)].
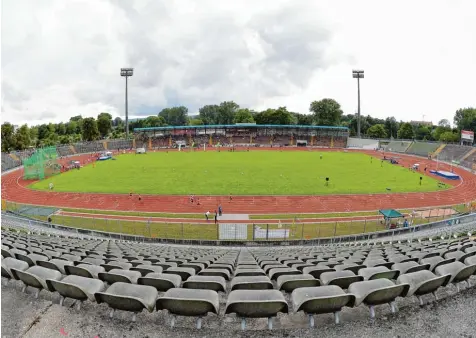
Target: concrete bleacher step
[(440, 148), (468, 154)]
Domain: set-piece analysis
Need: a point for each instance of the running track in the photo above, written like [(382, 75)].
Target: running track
[(14, 190)]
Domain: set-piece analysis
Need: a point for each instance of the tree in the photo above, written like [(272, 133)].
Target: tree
[(423, 133), (104, 123), (196, 122), (175, 116), (436, 134), (327, 112), (405, 131), (76, 118), (72, 127), (465, 119), (377, 131), (303, 119), (8, 137), (60, 128), (444, 123), (449, 136), (226, 112), (117, 122), (22, 137), (90, 130), (391, 126), (243, 116), (209, 114), (274, 116)]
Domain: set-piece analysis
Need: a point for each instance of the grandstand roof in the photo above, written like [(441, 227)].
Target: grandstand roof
[(231, 126)]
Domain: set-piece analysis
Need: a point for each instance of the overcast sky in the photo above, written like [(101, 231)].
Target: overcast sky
[(61, 58)]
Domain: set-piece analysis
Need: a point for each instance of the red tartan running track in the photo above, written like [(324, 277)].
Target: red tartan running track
[(14, 189)]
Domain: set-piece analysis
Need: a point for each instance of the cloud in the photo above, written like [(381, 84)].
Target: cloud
[(61, 59)]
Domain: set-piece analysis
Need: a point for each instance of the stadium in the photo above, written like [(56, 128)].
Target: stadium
[(224, 228)]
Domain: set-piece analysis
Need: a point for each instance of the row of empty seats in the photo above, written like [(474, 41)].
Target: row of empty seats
[(250, 283)]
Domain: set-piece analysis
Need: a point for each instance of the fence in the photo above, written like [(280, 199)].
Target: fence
[(211, 234), (252, 230)]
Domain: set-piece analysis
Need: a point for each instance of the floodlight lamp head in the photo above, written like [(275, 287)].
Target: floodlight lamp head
[(127, 71)]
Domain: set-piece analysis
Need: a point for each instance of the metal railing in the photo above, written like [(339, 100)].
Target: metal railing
[(266, 236)]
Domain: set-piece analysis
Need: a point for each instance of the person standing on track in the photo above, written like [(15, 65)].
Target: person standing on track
[(207, 214), (216, 217), (231, 198)]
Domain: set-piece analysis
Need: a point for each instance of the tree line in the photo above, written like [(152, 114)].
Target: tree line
[(326, 112)]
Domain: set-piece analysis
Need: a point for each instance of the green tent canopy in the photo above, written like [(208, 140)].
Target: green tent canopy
[(390, 213)]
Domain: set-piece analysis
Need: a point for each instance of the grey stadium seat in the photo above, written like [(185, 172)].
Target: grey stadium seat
[(378, 272), (340, 278), (288, 283), (36, 277), (256, 304), (128, 297), (118, 275), (251, 283), (189, 302), (409, 267), (84, 270), (12, 263), (76, 287), (55, 264), (376, 292), (225, 273), (249, 272), (184, 273), (161, 281), (436, 261), (215, 283), (459, 272), (422, 282), (146, 269), (322, 299)]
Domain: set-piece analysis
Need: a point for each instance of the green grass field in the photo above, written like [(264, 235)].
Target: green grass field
[(241, 173)]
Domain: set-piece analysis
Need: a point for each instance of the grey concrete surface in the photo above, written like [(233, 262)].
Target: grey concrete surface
[(24, 316)]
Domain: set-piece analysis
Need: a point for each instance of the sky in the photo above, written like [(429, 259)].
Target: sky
[(63, 58)]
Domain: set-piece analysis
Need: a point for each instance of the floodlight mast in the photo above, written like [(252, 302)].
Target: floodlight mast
[(358, 74), (126, 72)]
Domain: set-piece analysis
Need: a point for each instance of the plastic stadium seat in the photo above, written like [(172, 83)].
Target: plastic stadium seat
[(76, 287), (422, 282), (322, 299), (36, 277), (118, 275), (189, 302), (377, 272), (128, 297), (84, 270), (342, 278), (376, 292), (289, 283), (256, 304), (207, 282), (12, 263), (160, 281)]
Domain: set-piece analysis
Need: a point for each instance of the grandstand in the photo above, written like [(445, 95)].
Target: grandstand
[(397, 146), (453, 152), (422, 148), (359, 143), (247, 135), (288, 286)]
